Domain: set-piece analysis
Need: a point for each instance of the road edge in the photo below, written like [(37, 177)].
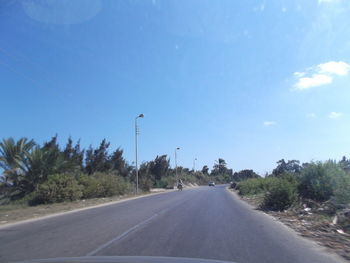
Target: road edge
[(312, 242), (29, 220)]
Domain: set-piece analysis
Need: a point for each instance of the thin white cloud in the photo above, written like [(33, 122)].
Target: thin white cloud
[(335, 115), (311, 115), (299, 74), (313, 81), (321, 74), (269, 123), (339, 68)]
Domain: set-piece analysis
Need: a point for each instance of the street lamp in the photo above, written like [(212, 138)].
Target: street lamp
[(137, 133), (178, 148), (194, 164)]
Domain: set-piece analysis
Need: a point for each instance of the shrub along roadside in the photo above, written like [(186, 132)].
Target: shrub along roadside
[(281, 195), (57, 188), (279, 192), (323, 181), (64, 187), (320, 181), (316, 181), (252, 186)]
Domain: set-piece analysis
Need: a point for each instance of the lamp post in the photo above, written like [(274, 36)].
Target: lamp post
[(137, 133), (177, 179), (194, 164)]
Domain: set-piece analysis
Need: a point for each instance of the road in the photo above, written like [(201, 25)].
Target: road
[(201, 222)]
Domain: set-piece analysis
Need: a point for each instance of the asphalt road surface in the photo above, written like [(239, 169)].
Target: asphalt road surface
[(204, 222)]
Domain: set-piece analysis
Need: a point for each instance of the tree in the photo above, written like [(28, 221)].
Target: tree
[(78, 155), (73, 155), (292, 166), (146, 180), (221, 172), (25, 166), (219, 168), (345, 164), (244, 175), (98, 160), (159, 167), (101, 163), (205, 170), (13, 158), (69, 150), (41, 163), (89, 160), (118, 163), (52, 144)]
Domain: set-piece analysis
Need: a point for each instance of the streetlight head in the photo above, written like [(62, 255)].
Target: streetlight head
[(141, 115), (178, 148)]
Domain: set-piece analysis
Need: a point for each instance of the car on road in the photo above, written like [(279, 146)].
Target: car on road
[(211, 184)]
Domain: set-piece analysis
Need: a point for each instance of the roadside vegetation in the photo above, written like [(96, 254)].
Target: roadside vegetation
[(33, 174), (312, 198), (290, 183)]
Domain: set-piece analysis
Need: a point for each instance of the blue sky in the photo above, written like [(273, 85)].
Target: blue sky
[(248, 81)]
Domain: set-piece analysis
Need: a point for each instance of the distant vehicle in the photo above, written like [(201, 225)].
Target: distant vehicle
[(211, 184)]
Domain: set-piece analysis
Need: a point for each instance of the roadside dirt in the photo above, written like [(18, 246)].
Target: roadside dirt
[(312, 224)]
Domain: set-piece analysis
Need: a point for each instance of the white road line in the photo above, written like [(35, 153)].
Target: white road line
[(121, 236), (117, 238), (139, 225)]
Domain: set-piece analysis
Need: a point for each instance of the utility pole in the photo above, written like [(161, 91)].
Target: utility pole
[(136, 168)]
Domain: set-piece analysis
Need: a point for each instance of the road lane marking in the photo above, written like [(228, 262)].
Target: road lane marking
[(121, 236), (139, 225)]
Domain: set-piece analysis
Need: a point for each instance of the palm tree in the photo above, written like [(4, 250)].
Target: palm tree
[(41, 163), (13, 157), (26, 165)]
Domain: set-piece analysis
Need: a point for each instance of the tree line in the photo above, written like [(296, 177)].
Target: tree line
[(49, 173)]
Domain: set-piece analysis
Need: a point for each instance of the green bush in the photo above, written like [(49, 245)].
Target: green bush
[(318, 180), (252, 186), (57, 188), (103, 185), (281, 194), (91, 186), (165, 182), (342, 188), (146, 183), (112, 184)]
